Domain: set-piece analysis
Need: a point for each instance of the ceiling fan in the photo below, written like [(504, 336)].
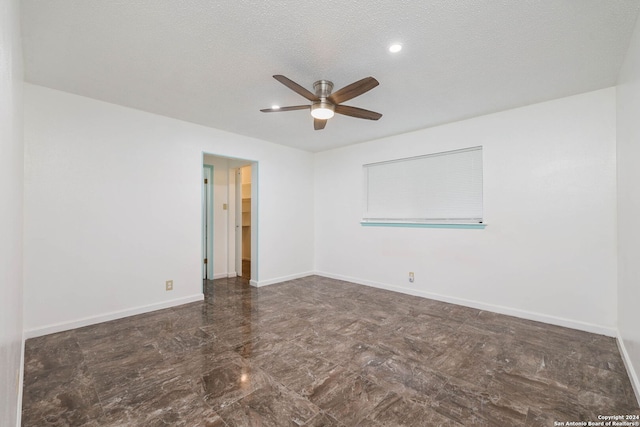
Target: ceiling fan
[(324, 103)]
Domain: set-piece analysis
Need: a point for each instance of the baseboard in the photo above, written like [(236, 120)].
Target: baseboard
[(221, 276), (633, 376), (268, 282), (538, 317), (91, 320), (232, 274)]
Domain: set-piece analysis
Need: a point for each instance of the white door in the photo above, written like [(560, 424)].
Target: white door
[(207, 222)]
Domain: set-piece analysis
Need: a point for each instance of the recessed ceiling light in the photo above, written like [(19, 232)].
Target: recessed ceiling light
[(275, 107), (395, 48)]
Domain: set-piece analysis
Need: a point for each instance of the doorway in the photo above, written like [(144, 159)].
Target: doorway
[(244, 234), (229, 218)]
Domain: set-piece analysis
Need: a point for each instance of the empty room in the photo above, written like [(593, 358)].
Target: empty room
[(366, 213)]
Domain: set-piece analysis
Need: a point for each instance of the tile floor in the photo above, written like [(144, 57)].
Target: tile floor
[(321, 352)]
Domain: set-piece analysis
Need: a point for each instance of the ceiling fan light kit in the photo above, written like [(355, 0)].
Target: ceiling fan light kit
[(324, 104), (322, 110)]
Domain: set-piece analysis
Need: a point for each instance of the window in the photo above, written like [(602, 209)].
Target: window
[(440, 188)]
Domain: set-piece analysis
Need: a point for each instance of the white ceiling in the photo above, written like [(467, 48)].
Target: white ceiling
[(211, 62)]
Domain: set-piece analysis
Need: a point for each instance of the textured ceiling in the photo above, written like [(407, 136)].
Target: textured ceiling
[(211, 62)]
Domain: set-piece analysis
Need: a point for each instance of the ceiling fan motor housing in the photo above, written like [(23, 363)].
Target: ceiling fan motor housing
[(323, 88)]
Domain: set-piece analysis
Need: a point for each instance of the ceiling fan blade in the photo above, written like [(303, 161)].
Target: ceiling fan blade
[(295, 107), (359, 113), (353, 90), (319, 124), (296, 87)]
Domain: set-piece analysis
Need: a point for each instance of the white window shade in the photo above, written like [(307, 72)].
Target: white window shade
[(437, 188)]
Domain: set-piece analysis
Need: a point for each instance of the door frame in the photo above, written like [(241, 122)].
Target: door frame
[(230, 220)]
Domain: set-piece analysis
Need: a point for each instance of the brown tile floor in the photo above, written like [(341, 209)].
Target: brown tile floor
[(321, 352)]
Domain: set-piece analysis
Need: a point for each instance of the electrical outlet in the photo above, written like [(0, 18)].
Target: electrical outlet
[(412, 277), (169, 285)]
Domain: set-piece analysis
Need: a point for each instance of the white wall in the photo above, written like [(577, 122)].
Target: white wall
[(113, 206), (11, 193), (549, 250), (628, 133)]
